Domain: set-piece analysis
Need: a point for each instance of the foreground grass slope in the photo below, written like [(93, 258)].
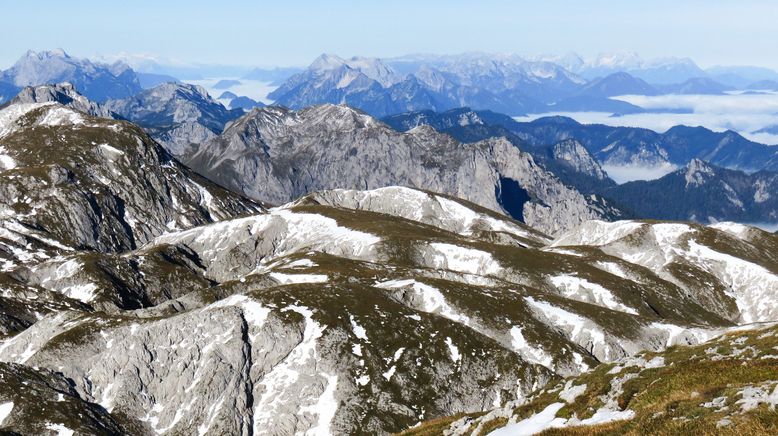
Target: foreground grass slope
[(726, 386)]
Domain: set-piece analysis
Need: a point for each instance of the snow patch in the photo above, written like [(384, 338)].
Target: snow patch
[(534, 424), (583, 290), (529, 352), (569, 393), (462, 259), (579, 329), (60, 429), (735, 229), (358, 330), (5, 411), (597, 233), (286, 279), (453, 350), (432, 300), (83, 292), (6, 161), (286, 373), (325, 408)]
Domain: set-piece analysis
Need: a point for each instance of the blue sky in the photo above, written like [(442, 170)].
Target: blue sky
[(293, 32)]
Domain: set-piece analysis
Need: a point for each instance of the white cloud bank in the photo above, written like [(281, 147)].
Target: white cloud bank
[(743, 113), (628, 173)]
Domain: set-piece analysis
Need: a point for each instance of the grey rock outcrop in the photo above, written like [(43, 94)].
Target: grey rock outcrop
[(108, 187), (64, 94), (176, 114), (276, 155)]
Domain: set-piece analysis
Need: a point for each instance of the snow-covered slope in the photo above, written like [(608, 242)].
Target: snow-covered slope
[(314, 309), (720, 265)]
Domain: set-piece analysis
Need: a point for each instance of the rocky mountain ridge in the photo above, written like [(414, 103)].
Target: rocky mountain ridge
[(276, 155), (176, 114), (290, 346)]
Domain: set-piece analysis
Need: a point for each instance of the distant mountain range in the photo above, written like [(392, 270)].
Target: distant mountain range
[(613, 145), (704, 193), (99, 82), (698, 191), (501, 83)]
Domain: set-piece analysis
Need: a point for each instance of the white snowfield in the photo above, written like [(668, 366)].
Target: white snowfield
[(583, 290), (56, 115), (427, 208), (277, 233), (5, 411), (578, 329), (463, 259), (751, 286), (12, 113)]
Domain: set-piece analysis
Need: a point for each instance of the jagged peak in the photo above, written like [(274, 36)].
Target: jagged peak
[(171, 90), (337, 114), (372, 68), (326, 116), (699, 165), (52, 113), (45, 54), (422, 130), (327, 61), (62, 93)]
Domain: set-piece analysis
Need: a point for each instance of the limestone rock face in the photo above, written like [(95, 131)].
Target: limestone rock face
[(65, 94), (176, 114), (276, 155)]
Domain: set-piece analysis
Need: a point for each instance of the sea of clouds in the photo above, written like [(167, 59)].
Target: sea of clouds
[(745, 113)]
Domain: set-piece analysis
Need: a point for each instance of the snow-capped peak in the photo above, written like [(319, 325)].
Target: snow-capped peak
[(327, 61), (55, 53), (373, 68)]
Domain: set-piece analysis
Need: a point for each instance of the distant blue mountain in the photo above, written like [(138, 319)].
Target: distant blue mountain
[(501, 83), (275, 76), (617, 84), (741, 76), (8, 91), (226, 84), (612, 145), (98, 82), (245, 103), (150, 80), (697, 85), (764, 85)]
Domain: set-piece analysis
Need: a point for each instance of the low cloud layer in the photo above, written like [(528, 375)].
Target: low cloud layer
[(743, 113), (628, 173)]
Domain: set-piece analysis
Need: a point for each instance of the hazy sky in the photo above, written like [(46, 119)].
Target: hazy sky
[(293, 32)]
